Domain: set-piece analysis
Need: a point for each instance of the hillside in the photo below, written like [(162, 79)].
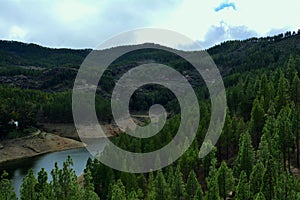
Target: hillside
[(259, 143), (36, 67)]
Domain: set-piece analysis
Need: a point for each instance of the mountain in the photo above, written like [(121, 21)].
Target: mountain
[(230, 55), (20, 54), (256, 53), (259, 143)]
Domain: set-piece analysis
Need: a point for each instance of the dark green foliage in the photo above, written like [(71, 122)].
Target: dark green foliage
[(282, 96), (199, 194), (118, 191), (286, 137), (266, 91), (295, 94), (256, 178), (43, 188), (21, 54), (225, 180), (6, 188), (269, 144), (261, 76), (88, 187), (63, 186), (162, 189), (64, 181), (212, 182), (245, 158), (243, 188), (151, 187), (257, 121), (28, 187), (192, 186), (269, 179), (178, 190), (260, 196)]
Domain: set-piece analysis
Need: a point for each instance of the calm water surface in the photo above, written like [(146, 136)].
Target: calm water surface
[(18, 169)]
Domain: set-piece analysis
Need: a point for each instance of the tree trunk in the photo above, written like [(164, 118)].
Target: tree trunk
[(289, 161), (227, 150), (284, 160)]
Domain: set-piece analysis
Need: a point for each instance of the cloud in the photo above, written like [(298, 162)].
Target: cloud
[(225, 5), (277, 31), (17, 32), (224, 32), (76, 24), (87, 23)]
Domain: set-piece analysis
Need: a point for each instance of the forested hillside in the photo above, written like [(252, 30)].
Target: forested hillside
[(257, 156)]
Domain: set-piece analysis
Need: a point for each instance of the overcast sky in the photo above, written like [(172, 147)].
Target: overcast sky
[(87, 23)]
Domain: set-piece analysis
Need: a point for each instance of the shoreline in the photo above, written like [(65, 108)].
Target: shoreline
[(35, 145), (32, 156), (48, 138)]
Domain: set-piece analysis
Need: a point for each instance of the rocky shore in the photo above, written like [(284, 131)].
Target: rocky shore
[(33, 145)]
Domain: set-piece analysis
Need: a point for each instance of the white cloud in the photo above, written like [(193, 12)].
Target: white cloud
[(17, 32), (198, 19)]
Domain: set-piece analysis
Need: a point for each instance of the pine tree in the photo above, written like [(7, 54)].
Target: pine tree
[(295, 94), (266, 91), (101, 176), (170, 174), (286, 140), (55, 183), (225, 180), (269, 144), (260, 196), (243, 188), (188, 160), (245, 158), (192, 185), (257, 121), (88, 187), (118, 191), (28, 187), (162, 190), (151, 187), (178, 186), (142, 184), (198, 195), (129, 181), (282, 96), (256, 178), (295, 90), (6, 188), (133, 196), (226, 137), (284, 187), (42, 187), (290, 69), (212, 182), (206, 161), (269, 179), (64, 181)]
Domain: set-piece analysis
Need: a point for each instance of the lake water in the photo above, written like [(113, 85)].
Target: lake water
[(18, 169)]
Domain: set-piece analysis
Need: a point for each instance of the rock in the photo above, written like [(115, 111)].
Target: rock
[(1, 146)]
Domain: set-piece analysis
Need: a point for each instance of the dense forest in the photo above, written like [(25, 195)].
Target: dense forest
[(258, 153)]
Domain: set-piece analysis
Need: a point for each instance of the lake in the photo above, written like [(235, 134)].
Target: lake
[(19, 168)]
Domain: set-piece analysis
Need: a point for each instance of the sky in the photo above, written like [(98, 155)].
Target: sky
[(87, 23)]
